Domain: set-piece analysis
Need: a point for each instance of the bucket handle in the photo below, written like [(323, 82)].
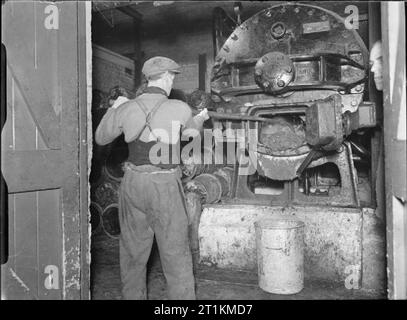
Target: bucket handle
[(274, 248), (286, 251)]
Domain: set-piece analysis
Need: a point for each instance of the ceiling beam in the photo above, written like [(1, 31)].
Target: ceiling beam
[(100, 5), (131, 12)]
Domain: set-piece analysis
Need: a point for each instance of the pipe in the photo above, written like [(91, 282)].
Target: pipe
[(237, 117)]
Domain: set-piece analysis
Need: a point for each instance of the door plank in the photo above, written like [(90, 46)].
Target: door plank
[(393, 25), (23, 65), (22, 134), (49, 254), (7, 138), (68, 55), (32, 170), (26, 248), (24, 126), (47, 60), (13, 287), (11, 232), (85, 130)]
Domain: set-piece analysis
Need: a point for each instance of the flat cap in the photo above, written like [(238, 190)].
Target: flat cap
[(157, 65)]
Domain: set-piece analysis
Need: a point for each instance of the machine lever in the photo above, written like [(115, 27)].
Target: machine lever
[(239, 117), (312, 155)]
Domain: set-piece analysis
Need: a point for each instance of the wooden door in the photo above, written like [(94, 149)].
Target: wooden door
[(394, 127), (44, 143)]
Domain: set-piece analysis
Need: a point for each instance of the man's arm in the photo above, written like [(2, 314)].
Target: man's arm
[(196, 123), (109, 127), (107, 130)]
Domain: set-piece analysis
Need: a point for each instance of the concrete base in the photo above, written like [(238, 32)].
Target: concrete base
[(333, 241)]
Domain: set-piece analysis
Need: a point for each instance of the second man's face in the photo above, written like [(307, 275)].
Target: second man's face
[(376, 65)]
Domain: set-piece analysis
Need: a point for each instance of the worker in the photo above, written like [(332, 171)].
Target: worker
[(376, 64), (151, 199), (376, 67)]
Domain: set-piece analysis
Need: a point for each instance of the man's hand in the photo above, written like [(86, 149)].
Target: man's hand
[(204, 114), (120, 100)]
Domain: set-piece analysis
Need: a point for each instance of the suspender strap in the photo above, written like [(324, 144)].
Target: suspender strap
[(150, 114)]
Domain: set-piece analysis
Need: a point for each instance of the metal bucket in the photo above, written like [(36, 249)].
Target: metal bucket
[(280, 255)]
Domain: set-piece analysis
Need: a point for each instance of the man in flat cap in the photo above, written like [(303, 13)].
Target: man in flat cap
[(151, 200)]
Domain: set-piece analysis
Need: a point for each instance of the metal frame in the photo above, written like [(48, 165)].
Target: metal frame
[(85, 129)]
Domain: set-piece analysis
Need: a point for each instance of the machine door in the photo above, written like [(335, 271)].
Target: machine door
[(40, 148)]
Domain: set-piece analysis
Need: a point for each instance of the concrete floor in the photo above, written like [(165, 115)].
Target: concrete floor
[(212, 283)]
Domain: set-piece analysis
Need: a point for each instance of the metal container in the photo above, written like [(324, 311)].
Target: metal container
[(280, 255)]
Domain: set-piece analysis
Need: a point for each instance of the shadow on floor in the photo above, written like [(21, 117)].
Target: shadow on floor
[(212, 283)]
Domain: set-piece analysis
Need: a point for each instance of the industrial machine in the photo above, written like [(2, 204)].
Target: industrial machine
[(288, 104), (292, 78)]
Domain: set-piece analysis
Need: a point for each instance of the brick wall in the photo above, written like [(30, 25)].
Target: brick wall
[(111, 69), (184, 48)]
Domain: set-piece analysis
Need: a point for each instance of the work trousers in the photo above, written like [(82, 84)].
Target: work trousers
[(151, 202)]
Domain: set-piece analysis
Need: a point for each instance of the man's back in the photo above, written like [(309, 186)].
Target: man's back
[(167, 119), (129, 118)]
